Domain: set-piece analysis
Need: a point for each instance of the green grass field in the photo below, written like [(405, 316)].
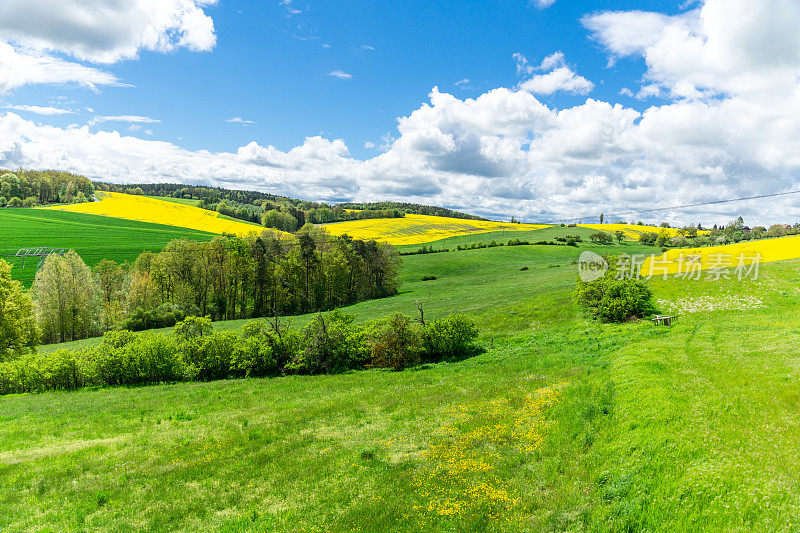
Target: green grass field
[(544, 234), (93, 237), (562, 424), (185, 201)]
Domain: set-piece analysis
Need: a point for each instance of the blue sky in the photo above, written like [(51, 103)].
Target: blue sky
[(540, 109), (272, 61)]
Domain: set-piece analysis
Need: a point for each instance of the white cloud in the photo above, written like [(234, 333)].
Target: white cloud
[(40, 110), (734, 47), (239, 120), (340, 74), (542, 4), (559, 78), (107, 31), (135, 119), (33, 36), (290, 9), (22, 68), (463, 84)]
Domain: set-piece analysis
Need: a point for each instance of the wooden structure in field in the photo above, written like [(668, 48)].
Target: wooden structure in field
[(662, 320)]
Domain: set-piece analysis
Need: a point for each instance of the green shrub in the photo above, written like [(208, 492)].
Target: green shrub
[(394, 342), (156, 359), (265, 349), (330, 344), (209, 357), (648, 238), (614, 300), (449, 339), (163, 316), (601, 237), (193, 327), (37, 372)]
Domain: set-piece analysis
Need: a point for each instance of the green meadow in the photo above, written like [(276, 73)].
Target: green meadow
[(561, 424)]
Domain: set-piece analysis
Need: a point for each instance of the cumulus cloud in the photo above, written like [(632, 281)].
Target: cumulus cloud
[(33, 36), (542, 4), (556, 76), (723, 47), (40, 110), (506, 153), (107, 31), (22, 68)]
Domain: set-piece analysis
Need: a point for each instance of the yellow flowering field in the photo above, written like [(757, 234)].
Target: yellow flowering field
[(687, 260), (631, 231), (418, 229), (144, 209)]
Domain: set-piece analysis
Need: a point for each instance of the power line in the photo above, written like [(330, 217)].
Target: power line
[(698, 204)]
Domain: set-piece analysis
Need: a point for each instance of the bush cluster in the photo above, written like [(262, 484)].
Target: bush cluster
[(331, 343), (426, 249), (610, 299), (478, 245), (570, 240)]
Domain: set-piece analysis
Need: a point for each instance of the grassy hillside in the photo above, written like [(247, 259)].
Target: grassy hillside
[(93, 237), (184, 201), (561, 424), (546, 233)]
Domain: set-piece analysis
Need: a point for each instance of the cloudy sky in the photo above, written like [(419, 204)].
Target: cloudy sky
[(542, 109)]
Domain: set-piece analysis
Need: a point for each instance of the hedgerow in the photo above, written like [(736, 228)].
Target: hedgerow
[(331, 343)]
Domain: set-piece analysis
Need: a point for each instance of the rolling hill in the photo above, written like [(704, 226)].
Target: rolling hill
[(146, 209), (562, 424)]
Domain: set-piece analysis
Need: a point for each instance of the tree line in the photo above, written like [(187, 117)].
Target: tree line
[(270, 210), (416, 209), (732, 232), (226, 278), (27, 188)]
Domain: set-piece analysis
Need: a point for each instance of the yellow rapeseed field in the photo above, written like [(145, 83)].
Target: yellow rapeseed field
[(418, 229), (631, 231), (144, 209), (737, 259)]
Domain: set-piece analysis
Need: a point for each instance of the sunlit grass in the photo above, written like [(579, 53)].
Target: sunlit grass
[(562, 424)]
